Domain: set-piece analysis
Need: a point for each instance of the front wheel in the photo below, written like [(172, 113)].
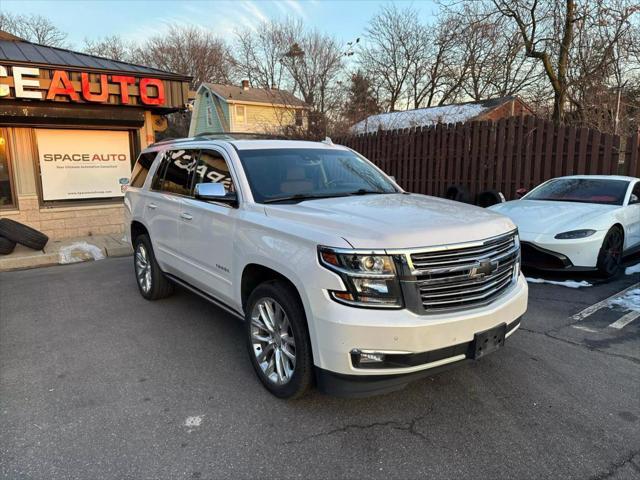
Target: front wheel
[(152, 283), (610, 256), (278, 340)]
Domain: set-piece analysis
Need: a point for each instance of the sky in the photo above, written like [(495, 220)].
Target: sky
[(136, 20)]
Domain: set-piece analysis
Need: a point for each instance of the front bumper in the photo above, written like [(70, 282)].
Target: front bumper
[(545, 252), (342, 385), (440, 339)]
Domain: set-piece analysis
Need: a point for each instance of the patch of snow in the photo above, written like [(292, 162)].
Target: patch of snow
[(632, 269), (418, 117), (79, 252), (629, 301), (565, 283), (194, 421)]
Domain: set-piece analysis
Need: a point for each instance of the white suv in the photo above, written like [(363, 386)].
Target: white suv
[(342, 278)]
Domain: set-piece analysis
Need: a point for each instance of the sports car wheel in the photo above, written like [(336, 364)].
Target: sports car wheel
[(610, 256)]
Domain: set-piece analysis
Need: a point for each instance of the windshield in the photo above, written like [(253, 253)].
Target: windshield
[(584, 190), (296, 174)]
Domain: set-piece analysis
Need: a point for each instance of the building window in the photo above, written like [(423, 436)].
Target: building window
[(6, 188), (298, 117), (241, 118), (209, 116)]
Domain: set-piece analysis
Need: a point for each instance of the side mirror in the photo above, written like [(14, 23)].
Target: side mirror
[(634, 199), (521, 192), (215, 192)]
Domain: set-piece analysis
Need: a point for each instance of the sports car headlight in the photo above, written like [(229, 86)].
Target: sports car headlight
[(575, 234), (370, 279)]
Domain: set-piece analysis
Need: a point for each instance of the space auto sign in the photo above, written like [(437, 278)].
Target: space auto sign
[(81, 164)]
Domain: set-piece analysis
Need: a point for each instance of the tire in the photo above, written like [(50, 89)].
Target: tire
[(152, 283), (610, 255), (291, 338), (6, 246), (488, 198), (19, 233), (457, 193)]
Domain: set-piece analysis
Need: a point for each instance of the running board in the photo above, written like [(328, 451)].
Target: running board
[(206, 296)]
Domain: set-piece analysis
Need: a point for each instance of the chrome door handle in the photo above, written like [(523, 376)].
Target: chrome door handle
[(152, 206), (186, 216)]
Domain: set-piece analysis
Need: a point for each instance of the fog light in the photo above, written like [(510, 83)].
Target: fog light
[(371, 357), (366, 358)]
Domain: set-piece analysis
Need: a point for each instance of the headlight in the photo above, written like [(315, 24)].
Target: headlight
[(370, 279), (575, 234)]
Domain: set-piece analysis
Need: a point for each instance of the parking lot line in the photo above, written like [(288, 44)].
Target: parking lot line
[(586, 329), (603, 303), (625, 320)]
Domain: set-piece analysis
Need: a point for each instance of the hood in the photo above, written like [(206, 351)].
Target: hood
[(395, 220), (543, 216)]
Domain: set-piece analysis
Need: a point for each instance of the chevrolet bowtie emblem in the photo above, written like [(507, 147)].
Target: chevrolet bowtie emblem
[(482, 268)]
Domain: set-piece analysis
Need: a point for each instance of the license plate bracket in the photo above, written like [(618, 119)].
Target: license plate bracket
[(488, 341)]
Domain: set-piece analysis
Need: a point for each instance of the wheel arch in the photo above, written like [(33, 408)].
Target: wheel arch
[(254, 274), (137, 229), (619, 226)]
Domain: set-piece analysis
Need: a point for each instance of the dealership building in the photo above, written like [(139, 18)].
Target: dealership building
[(71, 125)]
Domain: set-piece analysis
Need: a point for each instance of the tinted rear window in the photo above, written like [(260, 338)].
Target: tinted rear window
[(141, 169), (582, 190)]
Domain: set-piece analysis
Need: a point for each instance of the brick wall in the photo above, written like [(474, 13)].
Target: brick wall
[(68, 222)]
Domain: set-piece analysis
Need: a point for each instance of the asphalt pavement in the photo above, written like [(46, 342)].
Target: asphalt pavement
[(97, 383)]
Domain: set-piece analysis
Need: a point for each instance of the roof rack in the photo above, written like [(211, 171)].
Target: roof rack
[(241, 136), (223, 136)]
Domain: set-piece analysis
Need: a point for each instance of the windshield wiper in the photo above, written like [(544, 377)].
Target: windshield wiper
[(302, 196), (364, 191)]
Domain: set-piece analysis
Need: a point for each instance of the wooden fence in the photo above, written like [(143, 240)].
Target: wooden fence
[(504, 155)]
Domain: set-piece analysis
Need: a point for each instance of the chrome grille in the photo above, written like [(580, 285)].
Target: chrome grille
[(465, 276)]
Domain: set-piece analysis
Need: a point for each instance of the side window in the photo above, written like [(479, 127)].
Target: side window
[(156, 183), (636, 192), (213, 168), (177, 177), (141, 169)]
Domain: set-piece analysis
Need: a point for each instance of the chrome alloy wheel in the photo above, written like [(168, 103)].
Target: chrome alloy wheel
[(143, 268), (272, 340)]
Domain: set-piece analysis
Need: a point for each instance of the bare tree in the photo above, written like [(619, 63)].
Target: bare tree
[(393, 49), (314, 62), (490, 54), (34, 28), (447, 66), (190, 51), (550, 31), (602, 63), (112, 47), (259, 55)]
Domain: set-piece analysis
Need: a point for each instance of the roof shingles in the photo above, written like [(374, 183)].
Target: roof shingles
[(17, 50), (269, 96)]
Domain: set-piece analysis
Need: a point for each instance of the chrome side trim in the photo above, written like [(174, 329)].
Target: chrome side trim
[(206, 296)]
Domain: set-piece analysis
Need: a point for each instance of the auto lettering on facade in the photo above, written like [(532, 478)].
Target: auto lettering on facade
[(151, 89)]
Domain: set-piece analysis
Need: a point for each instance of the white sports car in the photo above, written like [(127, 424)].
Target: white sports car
[(582, 222)]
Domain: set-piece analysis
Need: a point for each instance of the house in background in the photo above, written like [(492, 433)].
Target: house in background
[(492, 109), (230, 108)]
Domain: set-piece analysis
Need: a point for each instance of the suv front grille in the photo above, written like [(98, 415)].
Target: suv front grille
[(464, 277)]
